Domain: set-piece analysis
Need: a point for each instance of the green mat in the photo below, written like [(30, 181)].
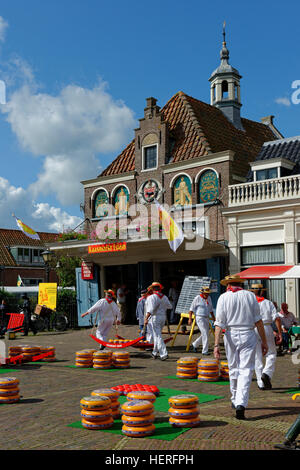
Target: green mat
[(5, 371), (293, 390), (219, 382), (163, 431)]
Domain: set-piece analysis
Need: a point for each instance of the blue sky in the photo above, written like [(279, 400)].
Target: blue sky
[(77, 74)]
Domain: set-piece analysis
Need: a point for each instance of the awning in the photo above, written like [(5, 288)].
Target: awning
[(265, 272), (293, 273)]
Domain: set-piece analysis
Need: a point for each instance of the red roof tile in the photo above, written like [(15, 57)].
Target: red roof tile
[(200, 129)]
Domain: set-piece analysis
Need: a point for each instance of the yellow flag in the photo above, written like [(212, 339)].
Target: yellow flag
[(172, 231)]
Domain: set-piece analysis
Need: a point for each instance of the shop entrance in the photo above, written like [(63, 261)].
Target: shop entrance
[(127, 274), (177, 270)]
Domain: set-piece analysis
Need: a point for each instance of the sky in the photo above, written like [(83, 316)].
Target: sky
[(77, 74)]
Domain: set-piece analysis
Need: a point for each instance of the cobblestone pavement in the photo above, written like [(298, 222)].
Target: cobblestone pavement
[(51, 393)]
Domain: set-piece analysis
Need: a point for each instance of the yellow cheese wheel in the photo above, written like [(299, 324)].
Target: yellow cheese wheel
[(137, 408), (95, 403), (99, 415), (120, 355), (186, 369), (138, 431), (10, 399), (138, 420), (141, 395), (185, 422), (88, 365), (184, 412), (204, 378), (101, 366), (105, 424), (8, 382), (208, 373), (120, 360), (183, 375), (183, 401), (6, 392), (102, 354), (106, 392), (102, 362)]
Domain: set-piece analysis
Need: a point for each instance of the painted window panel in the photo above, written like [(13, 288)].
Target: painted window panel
[(182, 191), (101, 202), (121, 201), (208, 186)]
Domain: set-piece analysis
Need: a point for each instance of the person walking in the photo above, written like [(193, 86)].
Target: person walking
[(28, 323), (238, 314), (157, 305), (121, 301), (264, 370), (202, 308), (140, 309), (107, 313), (287, 319)]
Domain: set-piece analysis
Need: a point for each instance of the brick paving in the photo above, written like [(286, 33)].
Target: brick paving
[(51, 393)]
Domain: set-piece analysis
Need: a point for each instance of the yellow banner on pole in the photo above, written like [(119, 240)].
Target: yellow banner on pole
[(48, 294)]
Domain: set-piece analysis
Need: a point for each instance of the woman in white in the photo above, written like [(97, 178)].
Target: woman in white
[(107, 313), (157, 305), (238, 314), (264, 371), (202, 307)]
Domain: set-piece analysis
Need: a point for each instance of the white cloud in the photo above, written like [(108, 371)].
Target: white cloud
[(58, 220), (283, 100), (68, 130), (3, 28)]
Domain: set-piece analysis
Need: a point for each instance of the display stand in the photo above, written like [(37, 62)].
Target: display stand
[(186, 315)]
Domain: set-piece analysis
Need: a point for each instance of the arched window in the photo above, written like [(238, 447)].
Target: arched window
[(224, 89), (101, 203), (121, 201), (208, 186), (182, 191)]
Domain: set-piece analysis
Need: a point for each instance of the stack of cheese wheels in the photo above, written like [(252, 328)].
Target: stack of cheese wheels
[(102, 360), (224, 370), (138, 418), (51, 351), (121, 359), (113, 395), (9, 390), (15, 351), (29, 352), (84, 358), (187, 368), (184, 411), (208, 370), (96, 412), (141, 395)]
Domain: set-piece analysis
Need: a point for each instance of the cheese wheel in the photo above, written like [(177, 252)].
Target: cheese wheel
[(208, 373), (105, 424), (187, 362), (138, 420), (8, 382), (208, 364), (99, 415), (101, 355), (95, 403), (141, 395), (10, 399), (84, 353), (120, 355), (77, 364), (137, 408), (183, 401), (17, 349), (138, 431), (115, 405), (182, 375), (102, 362), (184, 412), (120, 360), (106, 392), (184, 422), (100, 366), (5, 392), (204, 378)]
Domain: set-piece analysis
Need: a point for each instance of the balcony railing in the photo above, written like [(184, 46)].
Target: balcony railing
[(275, 189)]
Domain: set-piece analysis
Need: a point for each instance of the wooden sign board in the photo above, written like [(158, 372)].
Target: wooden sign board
[(190, 289)]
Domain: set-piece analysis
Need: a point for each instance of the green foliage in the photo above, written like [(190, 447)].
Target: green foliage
[(65, 297), (72, 236), (66, 270)]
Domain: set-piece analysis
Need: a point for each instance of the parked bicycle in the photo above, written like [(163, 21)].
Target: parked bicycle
[(57, 321)]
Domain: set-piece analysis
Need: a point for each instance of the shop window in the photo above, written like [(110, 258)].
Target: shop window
[(264, 254)]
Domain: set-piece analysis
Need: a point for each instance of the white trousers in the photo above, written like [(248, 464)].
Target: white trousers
[(157, 323), (103, 328), (203, 325), (265, 364), (149, 333), (240, 347)]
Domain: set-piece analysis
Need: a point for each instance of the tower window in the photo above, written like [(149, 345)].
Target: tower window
[(224, 89)]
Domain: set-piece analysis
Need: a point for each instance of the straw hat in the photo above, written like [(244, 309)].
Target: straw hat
[(231, 279), (156, 284), (111, 292), (205, 290), (257, 287)]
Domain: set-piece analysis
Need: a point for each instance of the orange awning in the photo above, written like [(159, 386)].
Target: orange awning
[(263, 272)]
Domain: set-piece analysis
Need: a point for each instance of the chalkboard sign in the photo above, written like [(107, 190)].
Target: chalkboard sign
[(190, 289)]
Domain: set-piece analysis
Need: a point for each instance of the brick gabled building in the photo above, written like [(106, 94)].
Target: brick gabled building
[(185, 155), (22, 256)]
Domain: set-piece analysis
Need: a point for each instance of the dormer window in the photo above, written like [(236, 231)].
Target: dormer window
[(271, 168), (150, 157), (266, 174)]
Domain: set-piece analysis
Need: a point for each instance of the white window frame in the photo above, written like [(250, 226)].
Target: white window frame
[(143, 157)]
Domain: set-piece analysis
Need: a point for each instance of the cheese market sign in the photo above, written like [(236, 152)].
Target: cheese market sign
[(107, 248), (149, 190)]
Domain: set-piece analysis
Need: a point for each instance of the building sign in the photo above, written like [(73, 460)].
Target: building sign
[(48, 294), (87, 270), (107, 247), (149, 191)]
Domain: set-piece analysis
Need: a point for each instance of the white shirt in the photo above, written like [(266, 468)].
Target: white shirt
[(157, 304), (121, 296), (106, 310), (268, 311), (201, 307), (238, 310), (287, 320)]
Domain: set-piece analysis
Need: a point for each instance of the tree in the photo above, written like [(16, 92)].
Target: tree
[(65, 270)]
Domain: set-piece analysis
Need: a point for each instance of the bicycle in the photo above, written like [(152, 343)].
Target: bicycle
[(57, 321)]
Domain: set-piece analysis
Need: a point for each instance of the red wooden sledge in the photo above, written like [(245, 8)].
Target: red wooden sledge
[(16, 321), (145, 345), (20, 358), (117, 346)]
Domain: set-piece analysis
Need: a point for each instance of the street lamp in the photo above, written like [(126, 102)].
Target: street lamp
[(47, 256)]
